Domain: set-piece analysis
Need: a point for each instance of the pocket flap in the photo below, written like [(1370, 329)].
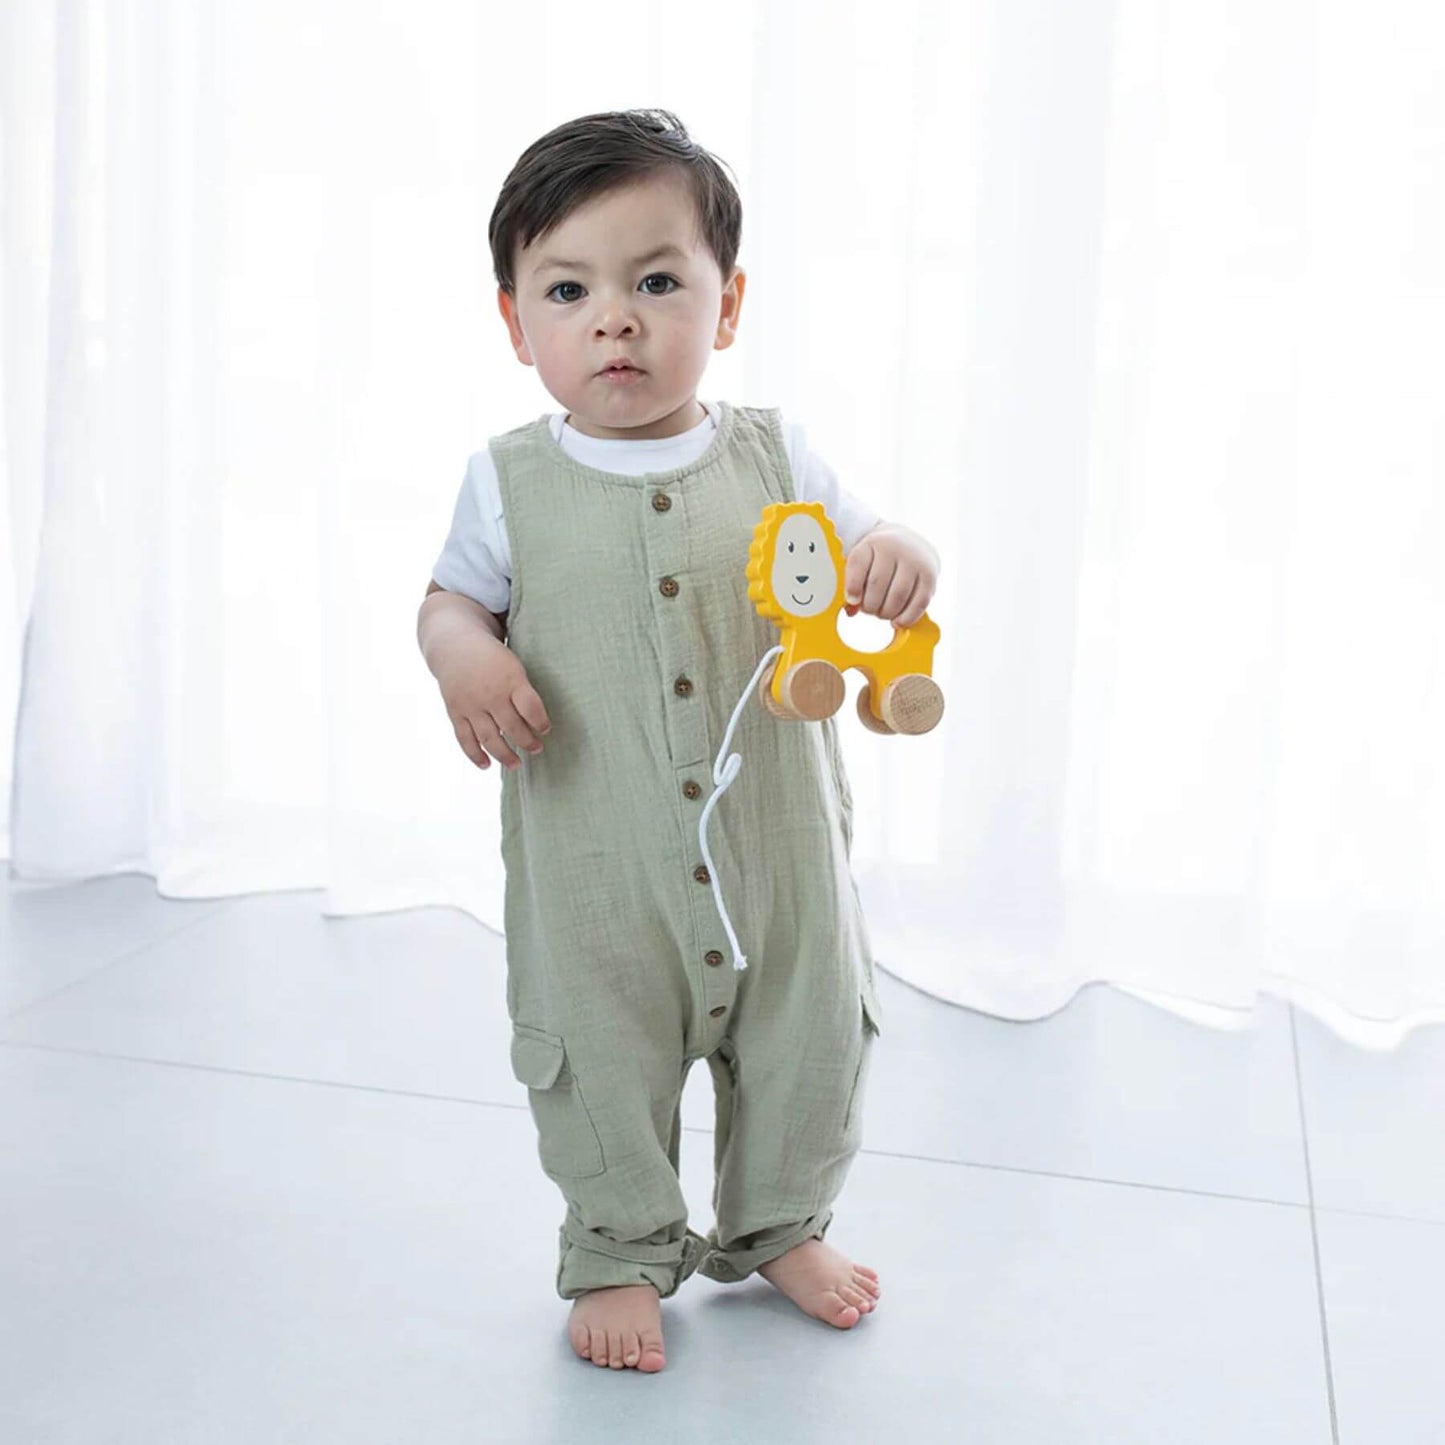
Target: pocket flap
[(871, 1011), (536, 1057)]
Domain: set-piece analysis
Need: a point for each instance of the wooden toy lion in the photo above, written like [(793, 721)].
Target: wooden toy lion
[(795, 578)]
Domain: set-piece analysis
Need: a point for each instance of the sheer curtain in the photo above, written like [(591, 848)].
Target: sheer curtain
[(1133, 308)]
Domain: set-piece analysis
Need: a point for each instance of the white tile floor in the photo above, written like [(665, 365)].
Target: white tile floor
[(266, 1177)]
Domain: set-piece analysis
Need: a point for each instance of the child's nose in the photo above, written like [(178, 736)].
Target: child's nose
[(616, 317)]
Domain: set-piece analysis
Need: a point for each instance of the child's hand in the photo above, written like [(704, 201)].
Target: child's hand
[(487, 694), (891, 573)]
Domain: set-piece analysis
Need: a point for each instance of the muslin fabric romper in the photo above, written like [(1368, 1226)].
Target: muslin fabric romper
[(629, 611)]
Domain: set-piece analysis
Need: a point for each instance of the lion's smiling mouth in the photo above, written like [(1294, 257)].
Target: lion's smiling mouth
[(801, 601)]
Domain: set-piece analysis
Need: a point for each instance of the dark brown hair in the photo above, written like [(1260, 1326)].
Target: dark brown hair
[(596, 153)]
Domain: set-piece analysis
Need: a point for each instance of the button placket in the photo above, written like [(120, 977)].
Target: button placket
[(686, 731), (666, 542)]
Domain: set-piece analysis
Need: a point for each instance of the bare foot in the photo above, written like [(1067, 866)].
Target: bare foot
[(824, 1283), (619, 1326)]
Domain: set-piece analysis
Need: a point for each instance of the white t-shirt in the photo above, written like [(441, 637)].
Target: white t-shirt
[(476, 559)]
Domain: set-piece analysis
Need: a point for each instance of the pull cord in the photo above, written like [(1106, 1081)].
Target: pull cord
[(723, 773)]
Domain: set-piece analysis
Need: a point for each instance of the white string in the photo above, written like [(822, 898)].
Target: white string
[(723, 774)]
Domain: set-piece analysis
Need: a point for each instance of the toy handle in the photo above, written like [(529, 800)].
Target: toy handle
[(854, 608)]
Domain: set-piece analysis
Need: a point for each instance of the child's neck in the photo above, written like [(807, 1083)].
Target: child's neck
[(684, 419)]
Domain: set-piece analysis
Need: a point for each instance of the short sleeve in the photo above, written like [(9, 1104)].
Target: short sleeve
[(476, 559), (815, 481)]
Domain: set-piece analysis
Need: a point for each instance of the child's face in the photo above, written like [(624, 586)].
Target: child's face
[(665, 313)]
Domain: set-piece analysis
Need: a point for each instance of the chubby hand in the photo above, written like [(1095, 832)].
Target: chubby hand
[(891, 573), (492, 705)]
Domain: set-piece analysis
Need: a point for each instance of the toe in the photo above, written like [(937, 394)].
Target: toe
[(653, 1357), (864, 1270), (581, 1338), (599, 1347), (867, 1285), (629, 1348), (614, 1349), (837, 1311)]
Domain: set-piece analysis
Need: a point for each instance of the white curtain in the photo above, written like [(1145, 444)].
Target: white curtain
[(1134, 309)]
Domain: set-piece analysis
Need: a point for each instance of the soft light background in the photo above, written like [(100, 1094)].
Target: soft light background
[(1135, 309)]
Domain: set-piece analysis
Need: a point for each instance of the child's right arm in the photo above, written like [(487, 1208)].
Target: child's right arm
[(482, 682)]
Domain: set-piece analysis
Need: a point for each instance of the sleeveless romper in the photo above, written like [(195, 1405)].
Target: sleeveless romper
[(629, 611)]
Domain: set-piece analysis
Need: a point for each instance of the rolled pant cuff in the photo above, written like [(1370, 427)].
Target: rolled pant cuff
[(593, 1262), (729, 1266)]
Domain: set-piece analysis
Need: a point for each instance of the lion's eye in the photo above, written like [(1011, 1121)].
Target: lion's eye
[(812, 546), (790, 546)]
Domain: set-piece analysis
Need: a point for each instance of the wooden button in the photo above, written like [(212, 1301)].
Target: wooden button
[(683, 687), (668, 586), (691, 790), (701, 873), (712, 958), (661, 501), (719, 1011)]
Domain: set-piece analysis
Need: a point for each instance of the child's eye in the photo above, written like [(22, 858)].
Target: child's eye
[(560, 285), (660, 276)]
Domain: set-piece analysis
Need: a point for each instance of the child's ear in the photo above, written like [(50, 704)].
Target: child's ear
[(507, 305), (732, 305)]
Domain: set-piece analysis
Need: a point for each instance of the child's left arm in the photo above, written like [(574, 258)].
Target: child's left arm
[(891, 572)]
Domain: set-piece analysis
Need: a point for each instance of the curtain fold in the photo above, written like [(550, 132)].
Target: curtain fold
[(1132, 308)]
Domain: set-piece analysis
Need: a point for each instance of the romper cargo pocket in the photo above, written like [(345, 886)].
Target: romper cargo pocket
[(567, 1139), (871, 1012)]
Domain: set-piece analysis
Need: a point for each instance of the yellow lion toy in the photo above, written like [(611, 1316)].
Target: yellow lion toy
[(795, 578)]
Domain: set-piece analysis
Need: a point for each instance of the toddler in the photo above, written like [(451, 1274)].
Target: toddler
[(589, 615)]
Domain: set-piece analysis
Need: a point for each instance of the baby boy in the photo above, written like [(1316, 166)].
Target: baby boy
[(588, 613)]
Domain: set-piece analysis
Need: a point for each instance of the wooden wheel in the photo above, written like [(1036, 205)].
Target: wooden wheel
[(765, 696), (813, 689), (865, 713), (912, 703)]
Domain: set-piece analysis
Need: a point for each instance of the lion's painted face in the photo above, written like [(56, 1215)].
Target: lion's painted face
[(804, 578)]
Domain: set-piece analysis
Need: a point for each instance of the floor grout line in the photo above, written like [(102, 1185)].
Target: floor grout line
[(1314, 1230), (1307, 1204), (256, 1074), (1091, 1179), (131, 952)]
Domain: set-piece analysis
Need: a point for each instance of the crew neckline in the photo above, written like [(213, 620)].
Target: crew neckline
[(722, 414), (649, 444)]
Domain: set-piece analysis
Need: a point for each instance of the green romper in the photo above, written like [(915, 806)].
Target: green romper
[(629, 611)]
